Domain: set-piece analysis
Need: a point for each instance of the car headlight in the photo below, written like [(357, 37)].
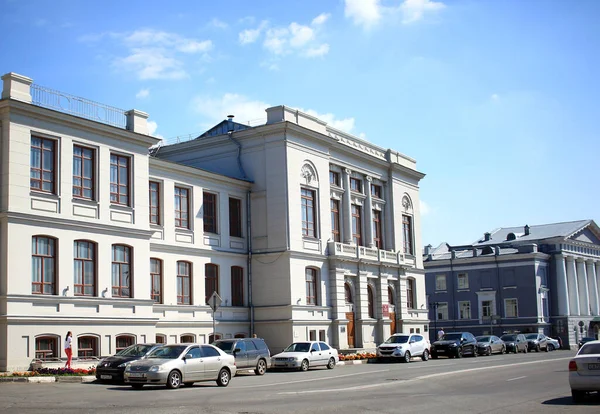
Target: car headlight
[(155, 368), (128, 367), (123, 365), (292, 359), (453, 344)]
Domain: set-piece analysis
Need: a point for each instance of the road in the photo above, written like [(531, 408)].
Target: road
[(534, 382)]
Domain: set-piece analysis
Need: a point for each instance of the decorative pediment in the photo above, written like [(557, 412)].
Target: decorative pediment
[(587, 235)]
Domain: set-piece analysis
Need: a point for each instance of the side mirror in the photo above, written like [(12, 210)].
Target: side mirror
[(412, 341), (462, 339), (312, 350), (236, 350)]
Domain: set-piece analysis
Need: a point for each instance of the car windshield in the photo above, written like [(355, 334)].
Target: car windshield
[(508, 337), (135, 350), (397, 339), (531, 336), (224, 346), (589, 349), (298, 347), (451, 336), (483, 339), (168, 352)]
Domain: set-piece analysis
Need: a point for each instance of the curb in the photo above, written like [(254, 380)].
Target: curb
[(40, 379), (354, 362)]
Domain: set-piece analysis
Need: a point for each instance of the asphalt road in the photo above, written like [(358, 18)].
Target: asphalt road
[(524, 383)]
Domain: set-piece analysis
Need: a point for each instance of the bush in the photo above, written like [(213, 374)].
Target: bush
[(55, 372)]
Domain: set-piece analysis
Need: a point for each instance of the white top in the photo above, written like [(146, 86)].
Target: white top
[(68, 341)]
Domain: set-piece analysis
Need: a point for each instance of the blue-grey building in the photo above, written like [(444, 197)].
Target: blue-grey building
[(542, 278)]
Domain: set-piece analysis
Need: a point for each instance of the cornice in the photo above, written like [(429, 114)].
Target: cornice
[(193, 251), (76, 300), (486, 259), (196, 173)]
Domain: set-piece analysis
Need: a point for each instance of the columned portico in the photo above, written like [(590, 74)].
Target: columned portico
[(584, 294), (562, 285), (593, 287), (572, 286)]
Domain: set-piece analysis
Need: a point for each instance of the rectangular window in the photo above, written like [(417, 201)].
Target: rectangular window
[(46, 347), (156, 280), (84, 268), (119, 179), (464, 310), (377, 238), (440, 282), (442, 311), (308, 213), (410, 293), (237, 286), (155, 202), (43, 265), (312, 335), (182, 208), (235, 217), (211, 280), (334, 178), (486, 308), (511, 308), (407, 232), (83, 172), (463, 281), (376, 190), (42, 168), (335, 220), (184, 283), (87, 347), (356, 225), (311, 286), (209, 207), (322, 336), (356, 185), (121, 268)]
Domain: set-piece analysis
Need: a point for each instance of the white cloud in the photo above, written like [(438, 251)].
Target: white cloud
[(320, 19), (275, 40), (143, 93), (152, 126), (365, 13), (369, 13), (151, 64), (317, 51), (346, 124), (219, 24), (300, 35), (424, 207), (251, 35), (413, 10), (216, 109)]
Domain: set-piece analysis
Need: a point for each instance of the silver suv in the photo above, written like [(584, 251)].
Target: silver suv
[(249, 353)]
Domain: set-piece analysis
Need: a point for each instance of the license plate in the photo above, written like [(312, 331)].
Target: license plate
[(441, 351), (593, 367), (137, 375), (105, 376)]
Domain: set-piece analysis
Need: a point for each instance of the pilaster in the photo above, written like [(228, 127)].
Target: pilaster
[(592, 278), (562, 286), (584, 295), (572, 285)]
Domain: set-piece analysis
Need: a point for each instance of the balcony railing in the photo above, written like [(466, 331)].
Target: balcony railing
[(366, 253)]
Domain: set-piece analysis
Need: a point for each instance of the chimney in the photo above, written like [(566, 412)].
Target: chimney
[(526, 230), (427, 250), (474, 251), (487, 236), (229, 123)]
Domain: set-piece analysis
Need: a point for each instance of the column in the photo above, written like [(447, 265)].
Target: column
[(561, 285), (346, 208), (593, 287), (584, 293), (368, 213), (362, 310), (572, 286), (388, 219)]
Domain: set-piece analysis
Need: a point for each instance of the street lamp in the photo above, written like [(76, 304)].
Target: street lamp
[(434, 305)]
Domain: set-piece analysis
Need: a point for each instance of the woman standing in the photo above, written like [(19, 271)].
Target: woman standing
[(68, 349)]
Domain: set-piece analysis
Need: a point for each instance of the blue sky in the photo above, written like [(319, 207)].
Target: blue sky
[(498, 101)]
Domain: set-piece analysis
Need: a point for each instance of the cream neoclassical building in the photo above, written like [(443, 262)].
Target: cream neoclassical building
[(303, 230)]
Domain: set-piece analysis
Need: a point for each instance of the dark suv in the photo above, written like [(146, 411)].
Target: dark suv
[(249, 353), (537, 342), (455, 344), (515, 343)]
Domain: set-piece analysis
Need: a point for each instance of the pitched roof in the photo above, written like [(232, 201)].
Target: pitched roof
[(223, 127), (537, 232)]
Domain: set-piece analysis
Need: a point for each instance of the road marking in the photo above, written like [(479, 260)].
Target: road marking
[(315, 379), (518, 378)]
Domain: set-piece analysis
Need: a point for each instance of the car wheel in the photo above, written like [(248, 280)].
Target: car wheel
[(550, 348), (459, 353), (223, 378), (526, 349), (503, 350), (578, 396), (425, 356), (304, 365), (489, 351), (261, 367), (174, 380), (537, 348), (407, 357), (547, 350), (331, 363), (137, 386), (475, 352)]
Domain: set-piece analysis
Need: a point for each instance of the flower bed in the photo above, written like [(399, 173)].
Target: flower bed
[(359, 356), (78, 372)]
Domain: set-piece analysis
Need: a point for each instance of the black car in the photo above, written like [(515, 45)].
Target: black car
[(112, 368), (249, 353), (515, 343), (585, 339), (455, 344)]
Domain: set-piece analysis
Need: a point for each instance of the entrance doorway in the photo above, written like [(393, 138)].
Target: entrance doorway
[(350, 329), (393, 324)]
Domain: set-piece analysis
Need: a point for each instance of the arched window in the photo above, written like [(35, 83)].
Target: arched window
[(46, 347), (87, 346), (84, 268), (121, 271), (371, 301), (187, 339), (410, 293), (511, 236), (391, 296), (237, 286), (487, 250), (311, 286), (211, 280), (212, 338), (123, 341), (161, 339), (239, 335), (348, 293), (184, 283), (156, 268), (43, 265)]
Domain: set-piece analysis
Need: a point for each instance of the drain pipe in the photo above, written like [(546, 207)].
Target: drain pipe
[(249, 235), (237, 144)]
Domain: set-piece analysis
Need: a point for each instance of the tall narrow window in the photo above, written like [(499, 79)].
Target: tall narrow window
[(184, 283), (121, 271), (371, 301), (237, 286), (407, 232), (83, 172), (377, 238), (511, 308), (308, 212), (440, 282), (348, 293), (356, 225), (335, 220), (376, 190), (410, 293), (391, 298), (156, 280), (84, 271), (42, 168), (235, 217), (464, 309), (119, 179), (182, 218), (210, 212), (311, 286), (486, 308), (43, 265), (463, 281), (155, 202), (356, 185), (211, 280), (334, 178)]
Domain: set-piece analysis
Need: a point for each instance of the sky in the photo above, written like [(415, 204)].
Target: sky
[(497, 100)]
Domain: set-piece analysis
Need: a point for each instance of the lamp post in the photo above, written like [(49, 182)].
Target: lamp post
[(434, 305)]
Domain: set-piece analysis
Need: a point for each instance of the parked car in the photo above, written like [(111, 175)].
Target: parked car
[(455, 344), (536, 342), (584, 371), (178, 364), (552, 344), (490, 344), (303, 355), (404, 346), (249, 353), (112, 367), (515, 343), (585, 340)]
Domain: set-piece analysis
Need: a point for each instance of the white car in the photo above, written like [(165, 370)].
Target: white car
[(404, 346), (552, 344), (584, 371), (303, 355)]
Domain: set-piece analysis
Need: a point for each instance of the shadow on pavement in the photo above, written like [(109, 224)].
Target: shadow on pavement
[(591, 400)]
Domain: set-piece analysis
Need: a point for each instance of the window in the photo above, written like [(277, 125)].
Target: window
[(84, 271), (464, 310), (212, 338), (377, 229), (42, 168), (348, 293), (161, 339), (83, 172), (463, 281), (119, 179), (308, 212), (235, 217), (440, 282), (311, 286), (210, 212), (391, 296), (376, 190), (370, 301), (410, 293), (511, 308), (43, 265), (46, 347), (312, 335), (442, 311), (87, 347), (184, 283), (323, 338), (211, 280), (356, 225), (156, 280), (121, 268), (187, 339), (356, 185), (486, 308), (335, 220), (123, 341), (334, 178), (407, 232), (182, 210), (155, 202), (237, 286)]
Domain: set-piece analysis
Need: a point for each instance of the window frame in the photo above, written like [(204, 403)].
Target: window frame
[(443, 306), (356, 213), (311, 284), (52, 245), (376, 190), (370, 302), (183, 280), (237, 286), (182, 207), (235, 217), (407, 234), (348, 296), (129, 340), (438, 284), (115, 197), (210, 218), (156, 297), (308, 202), (515, 305), (154, 210), (128, 251), (210, 280), (391, 296), (462, 308), (81, 177), (411, 289), (93, 247), (53, 340), (356, 185), (489, 307), (462, 281), (41, 168), (90, 351), (334, 178), (334, 205), (377, 229)]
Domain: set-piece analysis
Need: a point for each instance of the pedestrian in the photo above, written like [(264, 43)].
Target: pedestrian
[(560, 343), (68, 349), (440, 334)]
